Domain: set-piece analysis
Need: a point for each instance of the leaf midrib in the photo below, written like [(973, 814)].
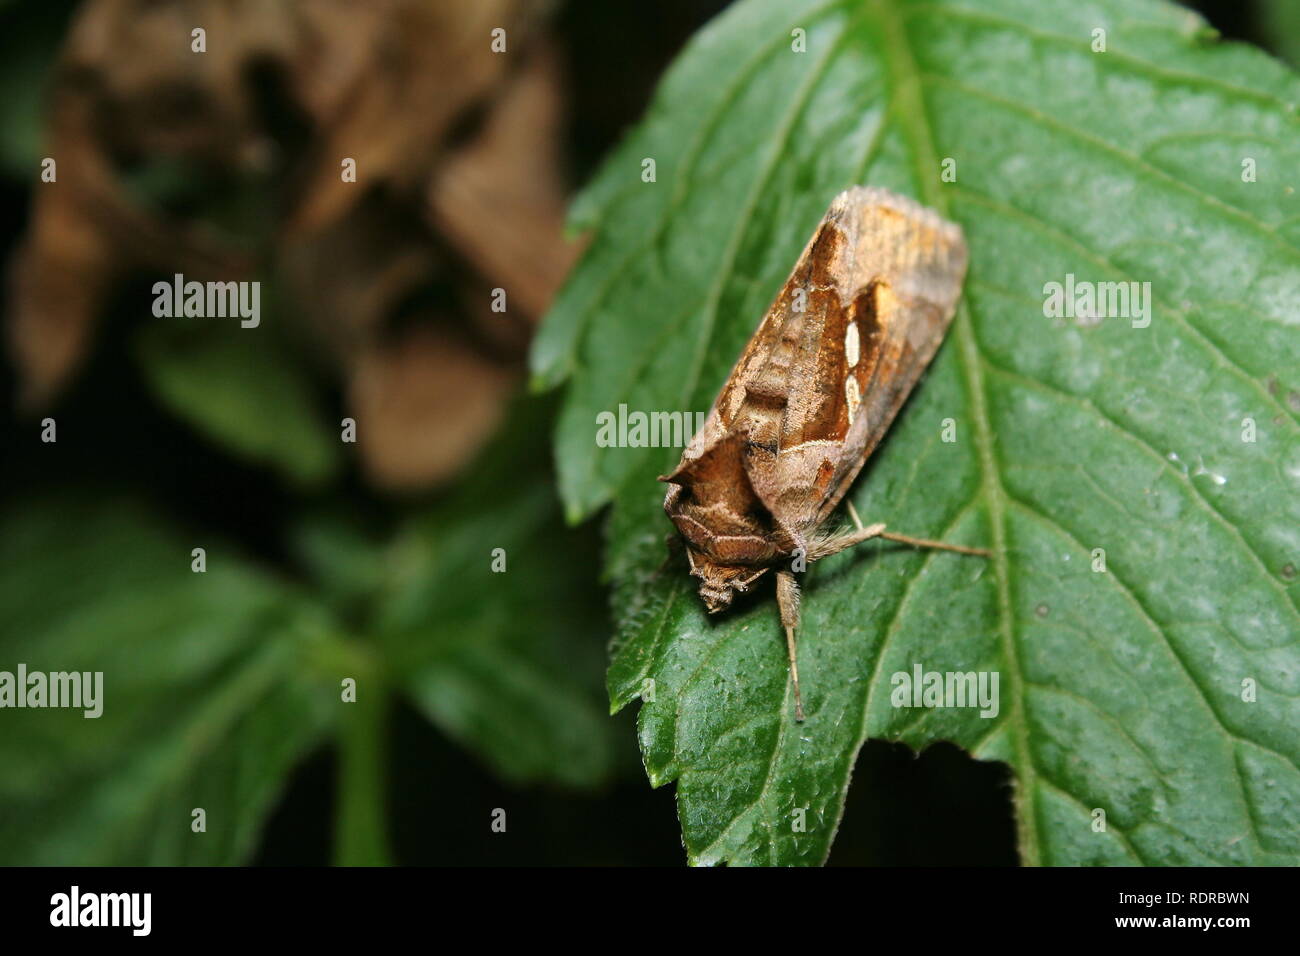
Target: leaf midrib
[(907, 102), (907, 85)]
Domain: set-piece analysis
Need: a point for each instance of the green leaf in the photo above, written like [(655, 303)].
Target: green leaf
[(243, 390), (1281, 21), (30, 39), (507, 663), (208, 695), (1120, 690)]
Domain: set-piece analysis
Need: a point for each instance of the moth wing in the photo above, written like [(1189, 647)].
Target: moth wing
[(825, 372), (711, 472), (727, 406), (882, 276), (902, 279), (714, 466)]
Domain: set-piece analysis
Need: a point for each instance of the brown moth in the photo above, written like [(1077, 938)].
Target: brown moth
[(810, 397)]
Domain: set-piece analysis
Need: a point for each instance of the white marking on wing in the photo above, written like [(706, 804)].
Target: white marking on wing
[(852, 396), (851, 344)]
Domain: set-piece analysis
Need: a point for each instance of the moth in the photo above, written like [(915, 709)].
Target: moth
[(810, 398)]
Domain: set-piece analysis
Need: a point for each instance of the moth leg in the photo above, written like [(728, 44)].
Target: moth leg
[(787, 597), (819, 548), (916, 542), (937, 545)]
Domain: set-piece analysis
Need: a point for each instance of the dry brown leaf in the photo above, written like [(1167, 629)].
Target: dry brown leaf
[(387, 83), (501, 198), (424, 406), (428, 63)]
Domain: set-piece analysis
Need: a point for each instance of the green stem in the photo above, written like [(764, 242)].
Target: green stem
[(360, 820)]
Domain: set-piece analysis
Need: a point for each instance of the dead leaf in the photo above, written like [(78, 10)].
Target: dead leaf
[(389, 276)]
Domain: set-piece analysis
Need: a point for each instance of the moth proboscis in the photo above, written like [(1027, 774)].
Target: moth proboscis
[(810, 398)]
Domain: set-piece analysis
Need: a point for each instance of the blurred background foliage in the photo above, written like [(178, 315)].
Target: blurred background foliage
[(477, 690)]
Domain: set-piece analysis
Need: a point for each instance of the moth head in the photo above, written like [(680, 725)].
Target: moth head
[(716, 596), (719, 582)]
